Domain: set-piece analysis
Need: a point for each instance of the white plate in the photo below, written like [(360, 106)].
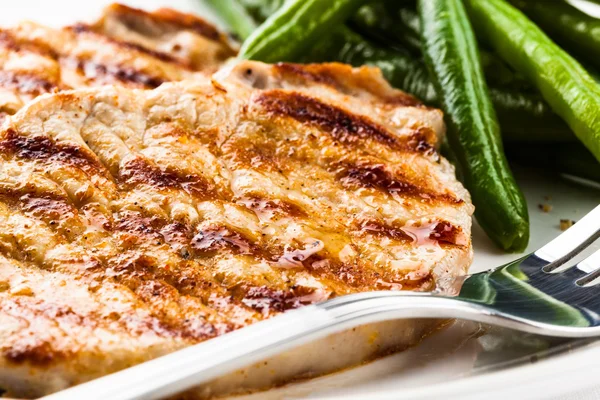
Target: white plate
[(460, 362)]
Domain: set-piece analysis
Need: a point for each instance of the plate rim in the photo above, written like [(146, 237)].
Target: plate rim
[(563, 374)]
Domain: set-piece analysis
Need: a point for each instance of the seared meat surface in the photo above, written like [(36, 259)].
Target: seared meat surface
[(136, 222), (126, 46)]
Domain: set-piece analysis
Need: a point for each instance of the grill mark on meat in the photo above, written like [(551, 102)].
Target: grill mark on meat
[(443, 233), (32, 348), (43, 148), (262, 158), (66, 217), (38, 351), (197, 327), (307, 73), (354, 275), (184, 277), (50, 206), (84, 28), (379, 229), (377, 176), (142, 229), (267, 300), (99, 72), (447, 234), (342, 125), (129, 17), (157, 284), (178, 236), (350, 275), (141, 171), (145, 278), (346, 276), (273, 208), (186, 21), (52, 210), (8, 41), (26, 83), (217, 238), (327, 74), (359, 275), (35, 351), (421, 140)]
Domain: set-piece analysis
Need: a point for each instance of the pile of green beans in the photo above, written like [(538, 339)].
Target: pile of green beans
[(576, 31), (451, 52), (500, 80), (522, 113), (235, 14), (565, 84), (294, 27), (397, 26)]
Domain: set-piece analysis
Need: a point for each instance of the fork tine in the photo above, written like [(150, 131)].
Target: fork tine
[(573, 241), (591, 265)]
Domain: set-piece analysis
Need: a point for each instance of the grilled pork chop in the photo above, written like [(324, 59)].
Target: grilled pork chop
[(136, 222), (127, 47)]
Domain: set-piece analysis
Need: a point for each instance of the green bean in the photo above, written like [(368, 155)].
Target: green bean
[(576, 31), (393, 24), (451, 53), (260, 10), (294, 27), (381, 24), (235, 16), (569, 89)]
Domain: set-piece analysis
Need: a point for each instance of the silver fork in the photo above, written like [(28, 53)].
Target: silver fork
[(532, 294)]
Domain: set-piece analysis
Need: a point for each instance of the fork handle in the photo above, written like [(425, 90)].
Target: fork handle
[(194, 365)]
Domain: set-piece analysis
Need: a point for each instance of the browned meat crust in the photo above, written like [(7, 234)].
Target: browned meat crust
[(138, 222), (127, 46)]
